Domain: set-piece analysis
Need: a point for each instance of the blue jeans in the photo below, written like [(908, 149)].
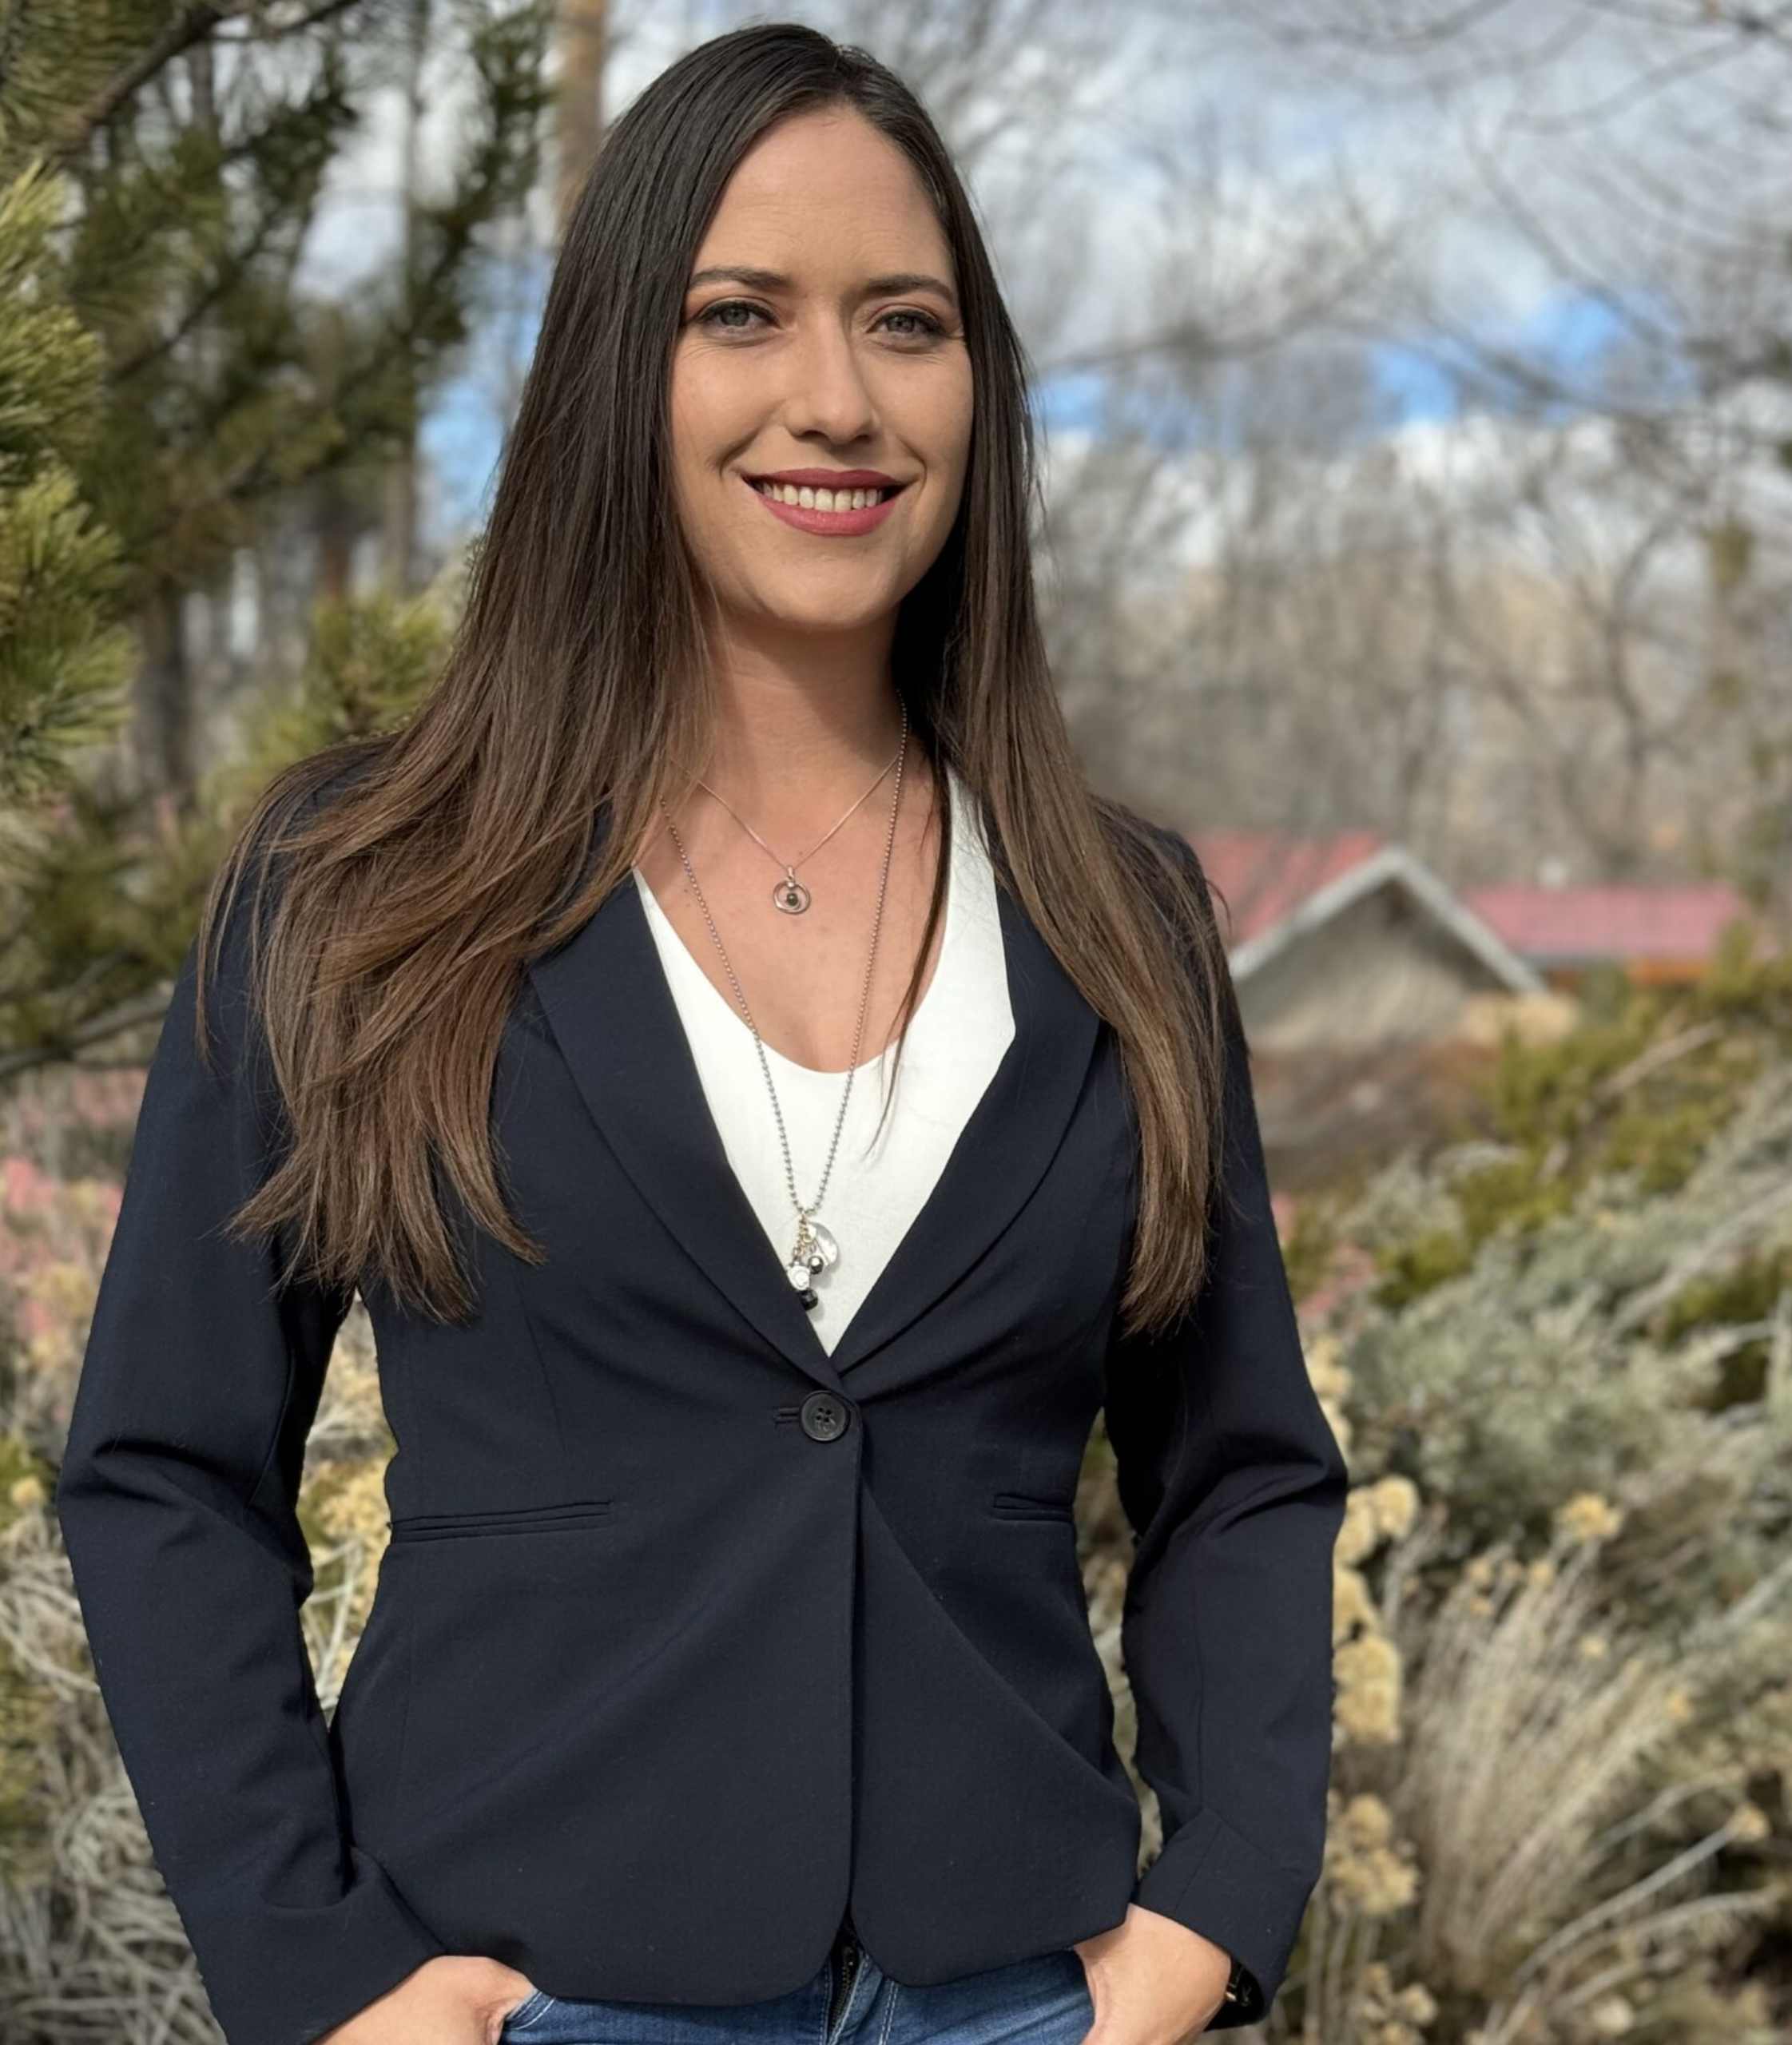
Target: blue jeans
[(1044, 2000)]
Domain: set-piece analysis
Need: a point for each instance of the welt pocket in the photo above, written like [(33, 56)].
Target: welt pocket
[(521, 1519), (1020, 1505)]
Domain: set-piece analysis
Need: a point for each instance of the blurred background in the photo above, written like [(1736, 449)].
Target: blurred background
[(1417, 382)]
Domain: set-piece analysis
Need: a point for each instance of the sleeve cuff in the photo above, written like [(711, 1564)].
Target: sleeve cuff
[(1211, 1878), (288, 1973)]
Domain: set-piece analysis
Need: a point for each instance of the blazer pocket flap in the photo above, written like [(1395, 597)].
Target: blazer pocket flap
[(520, 1519)]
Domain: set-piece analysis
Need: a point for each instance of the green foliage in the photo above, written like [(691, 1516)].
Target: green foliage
[(227, 385), (1746, 1295), (1578, 1327), (1310, 1245), (27, 1703), (64, 663), (372, 659), (27, 1723), (1414, 1264), (113, 915), (166, 385), (1597, 1298), (1640, 1090)]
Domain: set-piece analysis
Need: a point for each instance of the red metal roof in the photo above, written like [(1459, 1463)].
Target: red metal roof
[(1265, 875), (1607, 920)]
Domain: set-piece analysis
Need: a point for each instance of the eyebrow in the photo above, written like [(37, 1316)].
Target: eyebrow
[(896, 281)]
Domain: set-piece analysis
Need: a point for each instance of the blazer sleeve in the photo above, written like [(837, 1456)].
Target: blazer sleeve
[(1234, 1485), (177, 1500)]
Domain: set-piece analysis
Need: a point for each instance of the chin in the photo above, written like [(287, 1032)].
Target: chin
[(796, 615)]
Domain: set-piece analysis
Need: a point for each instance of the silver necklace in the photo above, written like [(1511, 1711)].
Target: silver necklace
[(789, 894), (815, 1249)]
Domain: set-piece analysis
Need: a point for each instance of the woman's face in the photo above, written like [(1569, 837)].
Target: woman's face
[(840, 356)]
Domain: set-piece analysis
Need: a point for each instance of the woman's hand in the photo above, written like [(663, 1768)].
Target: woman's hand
[(458, 1999), (1153, 1981)]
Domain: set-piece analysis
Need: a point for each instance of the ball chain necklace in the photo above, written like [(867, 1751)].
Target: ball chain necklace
[(815, 1249)]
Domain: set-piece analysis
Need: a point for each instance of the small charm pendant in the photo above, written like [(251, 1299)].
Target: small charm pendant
[(815, 1250), (790, 895), (812, 1299)]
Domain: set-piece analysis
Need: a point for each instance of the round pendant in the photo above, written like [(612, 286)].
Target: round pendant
[(824, 1243), (791, 896), (797, 1271)]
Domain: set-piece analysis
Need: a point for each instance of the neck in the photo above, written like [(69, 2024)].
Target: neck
[(786, 746)]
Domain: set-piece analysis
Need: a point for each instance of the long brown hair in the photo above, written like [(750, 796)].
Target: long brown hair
[(466, 842)]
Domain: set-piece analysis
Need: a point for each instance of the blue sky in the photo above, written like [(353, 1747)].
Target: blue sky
[(1284, 146)]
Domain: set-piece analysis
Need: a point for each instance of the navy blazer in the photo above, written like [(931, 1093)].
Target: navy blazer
[(691, 1638)]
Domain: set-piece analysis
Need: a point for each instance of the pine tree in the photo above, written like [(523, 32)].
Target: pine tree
[(64, 662), (169, 395)]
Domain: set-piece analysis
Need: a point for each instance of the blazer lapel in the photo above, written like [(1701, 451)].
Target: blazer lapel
[(1002, 1151), (618, 1024)]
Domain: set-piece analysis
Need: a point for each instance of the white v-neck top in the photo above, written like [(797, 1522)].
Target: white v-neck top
[(950, 1052)]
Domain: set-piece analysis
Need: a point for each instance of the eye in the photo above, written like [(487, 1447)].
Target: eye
[(707, 318), (931, 329)]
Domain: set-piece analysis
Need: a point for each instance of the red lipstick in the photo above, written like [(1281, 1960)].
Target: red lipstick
[(830, 525)]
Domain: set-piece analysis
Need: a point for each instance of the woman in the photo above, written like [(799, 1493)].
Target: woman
[(729, 1673)]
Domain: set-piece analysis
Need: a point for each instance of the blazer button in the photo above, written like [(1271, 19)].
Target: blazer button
[(825, 1416)]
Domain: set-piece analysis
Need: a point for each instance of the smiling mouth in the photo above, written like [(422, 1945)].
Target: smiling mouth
[(857, 499)]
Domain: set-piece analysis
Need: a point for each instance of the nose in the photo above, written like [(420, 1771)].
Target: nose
[(828, 393)]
